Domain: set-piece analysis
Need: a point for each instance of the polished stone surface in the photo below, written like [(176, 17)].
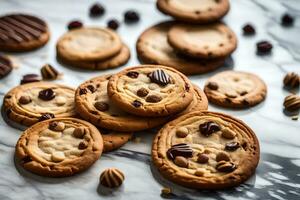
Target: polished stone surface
[(278, 173)]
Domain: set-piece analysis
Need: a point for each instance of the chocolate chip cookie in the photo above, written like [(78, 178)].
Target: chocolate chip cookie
[(33, 102), (59, 147), (153, 48), (22, 32), (206, 150), (93, 104), (203, 41), (194, 11), (150, 90), (235, 89)]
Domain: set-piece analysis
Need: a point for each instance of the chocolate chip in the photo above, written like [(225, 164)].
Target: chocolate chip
[(24, 100), (142, 92), (264, 47), (97, 10), (181, 161), (287, 20), (187, 87), (224, 166), (232, 146), (202, 158), (49, 72), (47, 94), (137, 103), (46, 116), (29, 78), (153, 98), (243, 93), (245, 102), (181, 149), (82, 91), (222, 156), (132, 74), (91, 88), (113, 24), (248, 29), (208, 128), (57, 126), (75, 24), (159, 77), (83, 145), (131, 16), (101, 106), (5, 66), (212, 85), (79, 132)]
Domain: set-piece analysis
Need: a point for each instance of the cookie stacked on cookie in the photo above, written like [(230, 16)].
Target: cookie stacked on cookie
[(92, 48)]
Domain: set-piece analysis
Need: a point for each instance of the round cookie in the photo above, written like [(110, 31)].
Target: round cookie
[(206, 150), (194, 11), (150, 90), (93, 104), (115, 61), (203, 41), (153, 48), (88, 44), (22, 32), (32, 102), (114, 140), (235, 89), (59, 147)]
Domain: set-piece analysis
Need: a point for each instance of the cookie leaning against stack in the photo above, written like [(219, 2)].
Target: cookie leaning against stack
[(206, 150), (92, 48)]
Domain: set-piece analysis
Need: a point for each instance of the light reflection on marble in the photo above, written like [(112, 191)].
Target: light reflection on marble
[(277, 176)]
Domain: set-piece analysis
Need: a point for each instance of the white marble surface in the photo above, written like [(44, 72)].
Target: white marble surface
[(278, 173)]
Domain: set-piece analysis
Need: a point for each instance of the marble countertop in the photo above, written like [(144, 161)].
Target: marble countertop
[(278, 173)]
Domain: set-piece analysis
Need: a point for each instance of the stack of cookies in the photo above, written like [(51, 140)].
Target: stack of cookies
[(92, 48), (195, 43)]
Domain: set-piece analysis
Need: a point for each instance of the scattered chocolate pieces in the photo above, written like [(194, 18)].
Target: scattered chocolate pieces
[(47, 94), (131, 16), (202, 158), (57, 126), (181, 161), (132, 74), (208, 128), (248, 29), (113, 24), (232, 146), (291, 80), (75, 24), (225, 166), (5, 66), (97, 10), (91, 88), (181, 149), (46, 116), (111, 178), (142, 92), (79, 132), (153, 98), (137, 103), (49, 72), (83, 145), (264, 47), (160, 77), (213, 85), (82, 91), (292, 102), (24, 100), (101, 106), (29, 78), (287, 20)]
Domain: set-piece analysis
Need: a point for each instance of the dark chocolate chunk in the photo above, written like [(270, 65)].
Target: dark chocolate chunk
[(208, 128), (232, 146), (137, 103), (153, 98), (24, 100), (212, 85), (47, 94), (5, 66), (159, 77), (202, 158), (248, 29), (97, 10), (142, 92), (131, 16), (181, 149), (101, 106), (29, 78), (49, 72), (187, 87), (82, 91), (225, 166), (264, 47), (287, 20), (46, 116), (132, 74), (75, 24), (91, 88), (113, 24), (83, 145)]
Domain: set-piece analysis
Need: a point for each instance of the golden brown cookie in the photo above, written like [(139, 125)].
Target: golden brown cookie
[(153, 48), (93, 104), (150, 90), (113, 140), (194, 11), (22, 32), (59, 147), (206, 150), (88, 44), (203, 41), (33, 102), (235, 89)]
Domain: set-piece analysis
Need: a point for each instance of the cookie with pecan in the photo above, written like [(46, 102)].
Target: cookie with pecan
[(59, 147), (206, 150)]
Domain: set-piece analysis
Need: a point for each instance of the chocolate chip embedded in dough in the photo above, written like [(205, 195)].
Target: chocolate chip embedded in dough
[(159, 77), (181, 149), (222, 156), (137, 103), (101, 106), (79, 132), (57, 126), (213, 85), (47, 94), (83, 145), (82, 91), (181, 161), (228, 134), (225, 166), (142, 92), (202, 158), (24, 100), (91, 88), (208, 128), (132, 74), (182, 132), (232, 146), (153, 98), (243, 93), (46, 116)]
